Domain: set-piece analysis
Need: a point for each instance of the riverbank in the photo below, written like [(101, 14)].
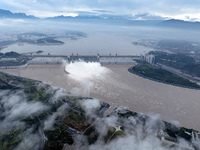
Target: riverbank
[(156, 74), (121, 88)]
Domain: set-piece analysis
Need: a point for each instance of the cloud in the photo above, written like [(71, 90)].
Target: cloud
[(83, 89), (85, 74), (16, 107), (32, 141), (130, 142), (90, 106), (147, 16), (137, 135), (80, 71), (162, 7), (58, 94), (48, 124)]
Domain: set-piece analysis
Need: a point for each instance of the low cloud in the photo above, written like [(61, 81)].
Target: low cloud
[(137, 135), (148, 16), (48, 124), (32, 141), (58, 94), (83, 89), (49, 8), (90, 106), (85, 74), (16, 107), (130, 142)]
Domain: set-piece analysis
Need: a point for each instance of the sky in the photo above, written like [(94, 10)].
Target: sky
[(138, 9)]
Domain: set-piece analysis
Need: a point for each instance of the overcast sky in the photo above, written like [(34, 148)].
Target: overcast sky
[(178, 9)]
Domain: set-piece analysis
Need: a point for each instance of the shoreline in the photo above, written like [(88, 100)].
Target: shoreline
[(105, 104), (159, 81), (31, 43), (121, 88)]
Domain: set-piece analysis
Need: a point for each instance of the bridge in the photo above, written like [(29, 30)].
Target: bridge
[(103, 59)]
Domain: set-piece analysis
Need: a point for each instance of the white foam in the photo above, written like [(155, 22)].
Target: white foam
[(80, 71)]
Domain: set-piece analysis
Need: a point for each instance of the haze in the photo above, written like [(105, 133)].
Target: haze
[(100, 38)]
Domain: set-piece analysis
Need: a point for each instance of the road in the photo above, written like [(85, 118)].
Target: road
[(178, 72), (102, 111)]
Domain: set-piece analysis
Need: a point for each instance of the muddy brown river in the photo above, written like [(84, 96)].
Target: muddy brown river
[(118, 87)]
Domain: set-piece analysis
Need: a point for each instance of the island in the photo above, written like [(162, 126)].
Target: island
[(40, 38)]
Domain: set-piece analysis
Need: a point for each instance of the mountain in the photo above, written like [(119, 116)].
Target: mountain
[(92, 19), (9, 14), (117, 20), (111, 19), (173, 23)]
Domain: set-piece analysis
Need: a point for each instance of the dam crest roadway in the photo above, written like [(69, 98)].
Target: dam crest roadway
[(103, 59)]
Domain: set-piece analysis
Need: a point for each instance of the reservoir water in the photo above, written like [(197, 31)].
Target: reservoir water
[(93, 44)]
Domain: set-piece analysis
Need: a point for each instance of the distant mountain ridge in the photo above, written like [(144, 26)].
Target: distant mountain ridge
[(90, 19), (118, 20), (110, 19), (173, 23), (9, 14)]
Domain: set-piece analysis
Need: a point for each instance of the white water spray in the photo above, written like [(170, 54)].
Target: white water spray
[(86, 75), (80, 71)]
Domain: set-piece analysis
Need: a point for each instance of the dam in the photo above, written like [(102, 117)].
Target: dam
[(104, 59), (59, 59), (29, 59)]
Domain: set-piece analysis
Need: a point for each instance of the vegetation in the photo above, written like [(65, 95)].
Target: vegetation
[(39, 52), (14, 82), (71, 33), (148, 71), (118, 134), (177, 45), (71, 121), (12, 59), (12, 54), (77, 118), (111, 131), (171, 132), (10, 140), (5, 43), (49, 41), (57, 137), (34, 34), (35, 91), (184, 62), (67, 123)]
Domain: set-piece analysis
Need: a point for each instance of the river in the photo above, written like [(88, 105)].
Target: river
[(121, 88)]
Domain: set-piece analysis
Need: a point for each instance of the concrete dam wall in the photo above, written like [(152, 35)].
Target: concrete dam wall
[(50, 59)]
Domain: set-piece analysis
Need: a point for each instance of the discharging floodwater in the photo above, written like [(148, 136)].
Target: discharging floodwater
[(121, 88)]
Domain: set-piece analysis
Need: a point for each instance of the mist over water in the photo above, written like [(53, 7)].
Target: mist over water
[(112, 84), (81, 71), (118, 87), (85, 75), (94, 43), (88, 75), (102, 39)]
